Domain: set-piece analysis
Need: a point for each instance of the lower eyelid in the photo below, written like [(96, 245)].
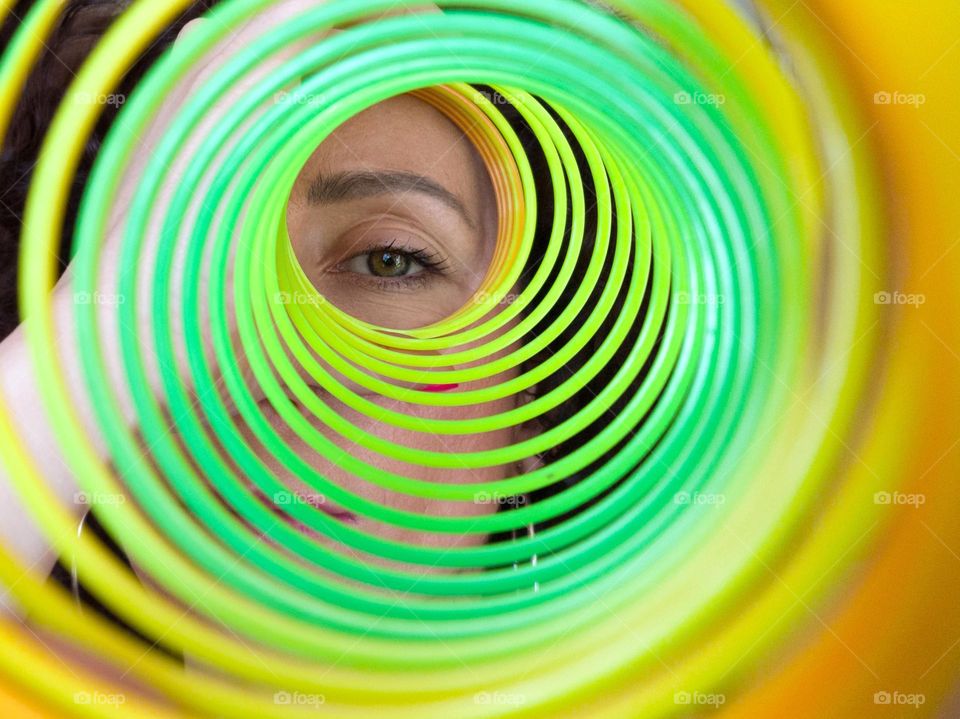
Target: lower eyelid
[(406, 283)]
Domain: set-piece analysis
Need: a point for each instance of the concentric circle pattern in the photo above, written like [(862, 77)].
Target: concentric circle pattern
[(714, 241)]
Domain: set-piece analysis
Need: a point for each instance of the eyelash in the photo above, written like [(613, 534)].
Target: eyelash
[(432, 262)]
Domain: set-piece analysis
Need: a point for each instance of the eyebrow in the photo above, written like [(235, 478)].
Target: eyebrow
[(361, 184)]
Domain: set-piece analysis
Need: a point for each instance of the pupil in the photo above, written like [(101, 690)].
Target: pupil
[(389, 264)]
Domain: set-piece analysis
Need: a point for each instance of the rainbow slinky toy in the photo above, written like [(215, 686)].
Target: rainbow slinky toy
[(765, 202)]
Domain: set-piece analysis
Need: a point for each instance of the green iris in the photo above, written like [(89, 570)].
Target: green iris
[(387, 263)]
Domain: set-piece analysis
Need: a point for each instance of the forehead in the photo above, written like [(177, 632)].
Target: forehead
[(401, 133)]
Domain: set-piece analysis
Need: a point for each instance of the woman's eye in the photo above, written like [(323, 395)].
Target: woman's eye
[(393, 262)]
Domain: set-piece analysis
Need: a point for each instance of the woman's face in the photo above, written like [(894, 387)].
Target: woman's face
[(393, 220)]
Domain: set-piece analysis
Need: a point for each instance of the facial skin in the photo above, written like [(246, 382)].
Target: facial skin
[(393, 220)]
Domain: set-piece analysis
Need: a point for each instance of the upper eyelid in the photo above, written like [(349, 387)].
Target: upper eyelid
[(410, 241), (381, 247), (371, 229), (393, 220)]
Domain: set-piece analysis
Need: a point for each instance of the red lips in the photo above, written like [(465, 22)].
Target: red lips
[(438, 387)]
